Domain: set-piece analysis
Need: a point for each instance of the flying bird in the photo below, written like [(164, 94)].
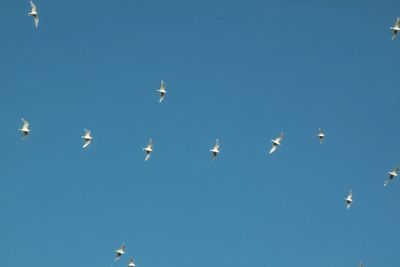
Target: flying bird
[(275, 143), (148, 149), (395, 28), (120, 252), (215, 150), (34, 14), (162, 91), (25, 129), (131, 263), (349, 200), (321, 135), (87, 137), (392, 174)]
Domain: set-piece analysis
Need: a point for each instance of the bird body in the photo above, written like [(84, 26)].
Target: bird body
[(25, 129), (131, 263), (276, 143), (215, 150), (321, 135), (395, 28), (162, 91), (148, 149), (34, 14), (392, 174), (120, 252), (87, 137), (349, 200)]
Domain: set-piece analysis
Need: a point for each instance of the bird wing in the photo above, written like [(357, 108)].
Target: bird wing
[(150, 144), (33, 6), (162, 96), (36, 19), (87, 143), (321, 131), (398, 22), (162, 87), (350, 194), (280, 137), (216, 144), (26, 124), (273, 148), (87, 132), (147, 156)]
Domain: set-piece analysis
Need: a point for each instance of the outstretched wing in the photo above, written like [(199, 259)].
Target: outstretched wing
[(36, 19), (26, 124), (216, 144), (273, 148), (87, 132), (279, 139), (150, 144), (33, 6), (397, 22), (162, 87), (87, 143), (147, 156)]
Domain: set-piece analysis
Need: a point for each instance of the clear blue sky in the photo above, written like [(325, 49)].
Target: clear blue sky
[(242, 71)]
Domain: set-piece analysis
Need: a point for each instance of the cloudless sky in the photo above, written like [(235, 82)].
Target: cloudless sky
[(240, 71)]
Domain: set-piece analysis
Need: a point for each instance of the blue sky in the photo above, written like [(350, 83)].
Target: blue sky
[(242, 71)]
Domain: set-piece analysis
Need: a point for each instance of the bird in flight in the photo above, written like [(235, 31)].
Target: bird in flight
[(25, 129), (87, 137), (275, 143), (215, 150), (349, 200), (120, 252), (34, 14), (148, 149), (162, 91), (392, 174), (395, 28), (131, 263), (321, 135)]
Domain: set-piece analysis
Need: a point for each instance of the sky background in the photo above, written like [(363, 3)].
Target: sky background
[(240, 71)]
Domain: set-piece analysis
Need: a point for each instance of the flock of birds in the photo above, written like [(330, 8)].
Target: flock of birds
[(275, 143)]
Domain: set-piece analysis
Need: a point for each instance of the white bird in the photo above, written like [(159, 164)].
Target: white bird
[(321, 135), (131, 263), (148, 149), (162, 91), (392, 174), (120, 252), (395, 28), (34, 14), (87, 137), (349, 200), (276, 142), (25, 129), (215, 150)]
